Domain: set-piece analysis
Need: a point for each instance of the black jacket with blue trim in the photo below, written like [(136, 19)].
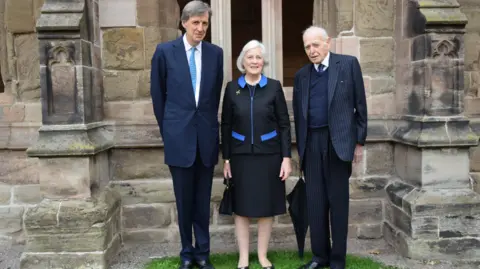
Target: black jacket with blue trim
[(255, 120)]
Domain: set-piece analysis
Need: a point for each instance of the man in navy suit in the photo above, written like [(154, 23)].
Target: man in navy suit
[(186, 83), (330, 113)]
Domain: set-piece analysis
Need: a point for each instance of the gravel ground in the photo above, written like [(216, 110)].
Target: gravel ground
[(136, 256)]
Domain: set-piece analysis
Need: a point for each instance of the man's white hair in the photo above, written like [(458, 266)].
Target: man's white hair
[(252, 44), (316, 30)]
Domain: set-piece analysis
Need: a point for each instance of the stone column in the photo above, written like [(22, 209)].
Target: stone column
[(431, 210), (222, 32), (272, 37), (78, 221)]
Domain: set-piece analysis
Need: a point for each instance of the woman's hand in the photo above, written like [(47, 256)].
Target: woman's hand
[(227, 172), (285, 169)]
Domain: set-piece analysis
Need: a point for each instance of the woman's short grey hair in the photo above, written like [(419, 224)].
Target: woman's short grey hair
[(253, 44), (195, 8)]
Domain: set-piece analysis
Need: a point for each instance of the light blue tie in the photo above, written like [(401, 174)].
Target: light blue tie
[(193, 70)]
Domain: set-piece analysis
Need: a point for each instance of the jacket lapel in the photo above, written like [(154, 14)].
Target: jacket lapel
[(306, 90), (333, 69), (181, 58)]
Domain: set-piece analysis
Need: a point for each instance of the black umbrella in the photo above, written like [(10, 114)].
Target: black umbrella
[(297, 200)]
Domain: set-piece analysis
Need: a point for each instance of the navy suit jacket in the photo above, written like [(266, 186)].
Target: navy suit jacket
[(185, 127), (347, 106)]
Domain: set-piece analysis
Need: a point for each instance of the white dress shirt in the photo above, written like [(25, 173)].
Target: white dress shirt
[(324, 62), (198, 63)]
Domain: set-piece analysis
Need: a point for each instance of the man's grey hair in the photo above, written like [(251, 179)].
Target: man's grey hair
[(252, 44), (316, 30), (195, 8)]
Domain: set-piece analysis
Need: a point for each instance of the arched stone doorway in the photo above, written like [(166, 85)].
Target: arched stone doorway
[(277, 23)]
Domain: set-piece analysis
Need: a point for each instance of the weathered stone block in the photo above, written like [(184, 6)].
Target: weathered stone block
[(138, 164), (65, 177), (21, 136), (77, 242), (367, 188), (120, 85), (158, 13), (379, 159), (475, 179), (147, 216), (369, 231), (472, 106), (382, 85), (349, 45), (115, 13), (459, 226), (447, 168), (446, 202), (5, 194), (344, 15), (33, 112), (145, 191), (11, 219), (365, 211), (12, 113), (397, 191), (130, 135), (155, 35), (27, 66), (27, 194), (160, 236), (90, 260), (381, 105), (157, 191), (19, 16), (123, 48), (144, 85), (376, 55), (433, 168), (140, 111), (17, 168), (374, 18), (425, 228)]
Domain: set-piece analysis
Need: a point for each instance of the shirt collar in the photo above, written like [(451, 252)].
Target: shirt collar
[(188, 47), (242, 82), (324, 62)]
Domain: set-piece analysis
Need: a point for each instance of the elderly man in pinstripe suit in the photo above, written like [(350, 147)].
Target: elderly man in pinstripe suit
[(330, 114)]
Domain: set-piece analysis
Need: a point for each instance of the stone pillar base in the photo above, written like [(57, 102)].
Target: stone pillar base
[(433, 224), (73, 233)]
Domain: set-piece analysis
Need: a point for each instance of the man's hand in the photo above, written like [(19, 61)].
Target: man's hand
[(358, 154)]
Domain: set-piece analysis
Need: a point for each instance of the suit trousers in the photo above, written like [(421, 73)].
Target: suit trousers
[(192, 187), (327, 184)]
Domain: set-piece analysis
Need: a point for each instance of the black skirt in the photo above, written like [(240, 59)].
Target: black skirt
[(258, 188)]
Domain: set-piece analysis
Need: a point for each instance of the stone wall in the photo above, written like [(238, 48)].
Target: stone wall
[(20, 112)]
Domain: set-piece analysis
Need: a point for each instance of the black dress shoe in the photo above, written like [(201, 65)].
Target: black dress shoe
[(205, 265), (186, 265), (313, 265)]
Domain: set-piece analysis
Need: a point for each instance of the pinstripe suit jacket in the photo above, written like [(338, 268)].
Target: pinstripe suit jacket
[(347, 106)]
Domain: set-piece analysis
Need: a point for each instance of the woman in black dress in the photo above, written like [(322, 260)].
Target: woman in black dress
[(256, 143)]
